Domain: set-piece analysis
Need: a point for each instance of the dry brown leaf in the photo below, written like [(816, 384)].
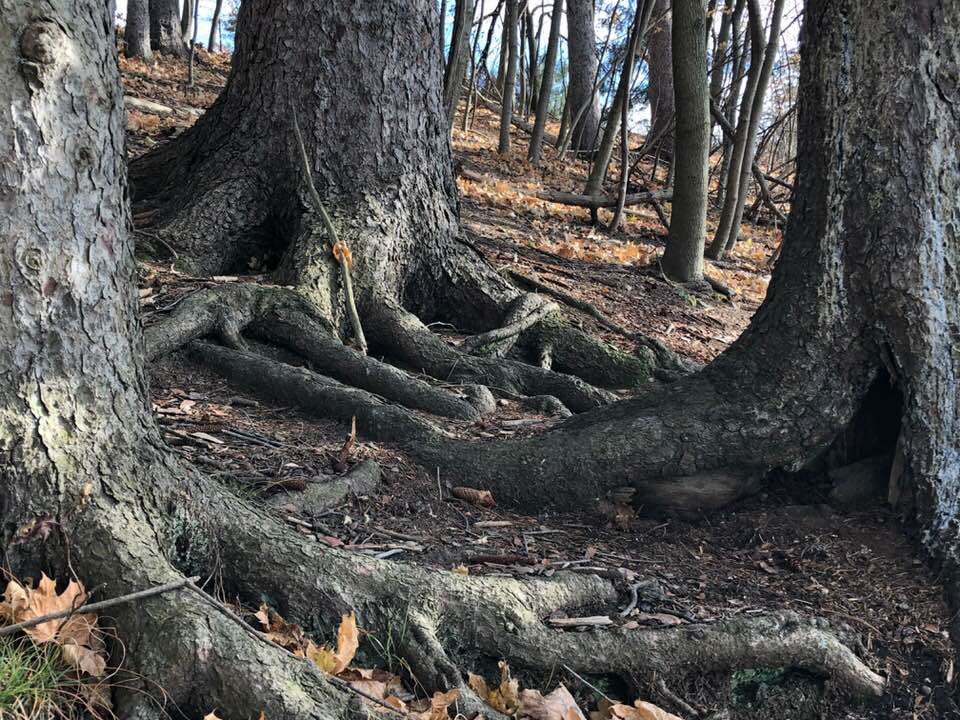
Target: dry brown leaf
[(505, 697), (348, 640), (483, 498), (557, 705), (377, 683), (439, 704), (641, 710), (78, 635), (212, 716), (284, 634)]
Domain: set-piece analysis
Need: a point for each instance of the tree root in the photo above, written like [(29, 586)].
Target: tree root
[(401, 334), (314, 393), (280, 316), (448, 623)]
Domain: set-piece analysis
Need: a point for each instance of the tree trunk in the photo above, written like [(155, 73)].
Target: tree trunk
[(683, 258), (533, 51), (512, 33), (581, 41), (738, 177), (601, 161), (660, 91), (186, 20), (166, 35), (136, 33), (213, 43), (81, 450), (457, 63), (543, 101)]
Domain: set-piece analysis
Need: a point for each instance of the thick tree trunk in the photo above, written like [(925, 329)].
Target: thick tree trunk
[(660, 91), (582, 44), (864, 297), (166, 35), (136, 33), (683, 258)]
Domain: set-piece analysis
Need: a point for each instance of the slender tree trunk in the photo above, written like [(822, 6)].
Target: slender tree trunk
[(683, 258), (660, 91), (756, 113), (510, 77), (546, 88), (458, 59), (137, 31), (166, 36), (186, 20), (738, 177), (533, 50), (213, 43), (601, 160), (581, 41), (732, 99)]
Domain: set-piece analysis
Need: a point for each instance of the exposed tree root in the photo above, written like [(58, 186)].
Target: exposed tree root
[(449, 623), (400, 334)]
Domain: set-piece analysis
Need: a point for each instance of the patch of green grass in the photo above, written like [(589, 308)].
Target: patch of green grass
[(34, 682)]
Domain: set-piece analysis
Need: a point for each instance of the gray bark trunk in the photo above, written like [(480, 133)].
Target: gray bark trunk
[(660, 91), (457, 63), (213, 43), (136, 33), (738, 176), (512, 34), (582, 44), (683, 258), (166, 35), (549, 67), (186, 20)]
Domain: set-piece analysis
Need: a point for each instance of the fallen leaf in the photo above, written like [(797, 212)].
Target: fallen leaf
[(439, 704), (505, 697), (557, 705), (641, 710), (348, 640), (212, 716)]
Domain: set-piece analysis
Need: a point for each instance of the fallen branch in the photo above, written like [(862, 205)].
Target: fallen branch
[(98, 606), (603, 201)]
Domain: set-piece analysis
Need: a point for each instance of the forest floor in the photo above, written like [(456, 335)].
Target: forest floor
[(784, 549)]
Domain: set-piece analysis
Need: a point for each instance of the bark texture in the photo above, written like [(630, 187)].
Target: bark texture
[(683, 258), (165, 33), (80, 445), (136, 32), (582, 44), (660, 91)]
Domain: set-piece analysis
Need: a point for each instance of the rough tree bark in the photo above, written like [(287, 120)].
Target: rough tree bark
[(660, 91), (582, 45), (165, 33), (81, 452), (683, 257), (136, 33), (231, 189)]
